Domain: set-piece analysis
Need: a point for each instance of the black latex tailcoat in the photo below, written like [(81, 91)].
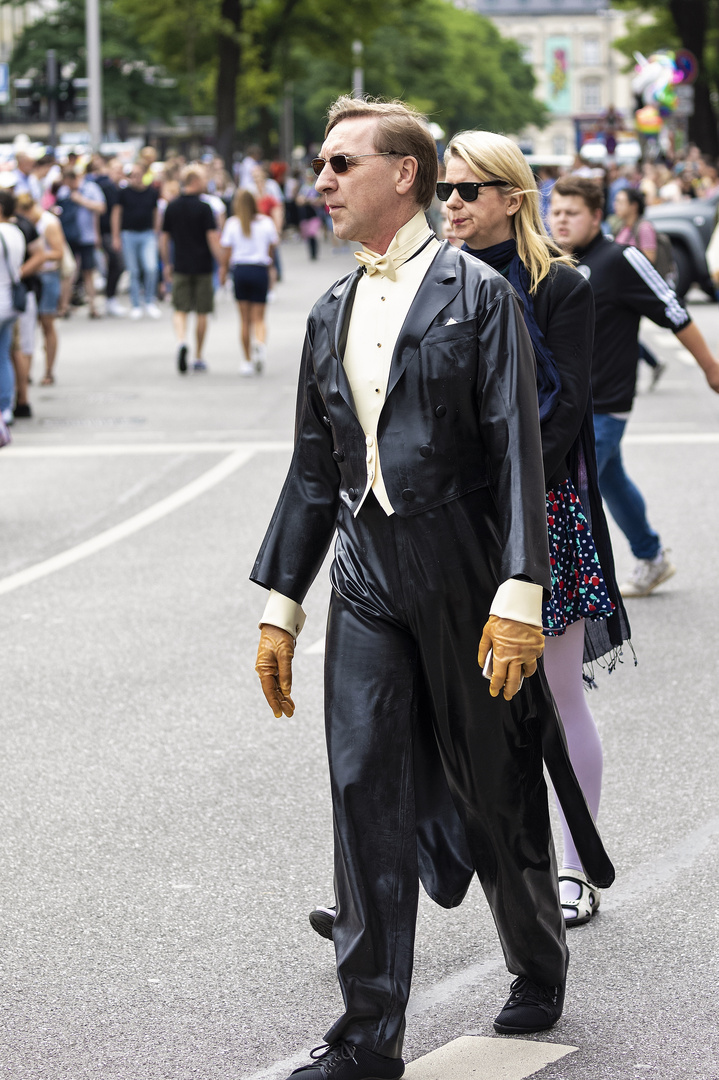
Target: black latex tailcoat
[(460, 413)]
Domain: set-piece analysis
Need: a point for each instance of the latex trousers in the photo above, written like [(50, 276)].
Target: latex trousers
[(415, 741)]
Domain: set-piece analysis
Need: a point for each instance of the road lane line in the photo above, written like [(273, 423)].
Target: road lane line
[(134, 524), (678, 439), (137, 449)]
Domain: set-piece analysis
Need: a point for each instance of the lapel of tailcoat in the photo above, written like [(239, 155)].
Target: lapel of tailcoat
[(439, 287), (338, 327)]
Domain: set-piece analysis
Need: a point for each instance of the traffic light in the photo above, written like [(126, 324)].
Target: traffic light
[(65, 99)]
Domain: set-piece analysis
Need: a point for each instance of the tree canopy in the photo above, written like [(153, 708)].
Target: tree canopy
[(449, 63), (133, 87), (237, 58)]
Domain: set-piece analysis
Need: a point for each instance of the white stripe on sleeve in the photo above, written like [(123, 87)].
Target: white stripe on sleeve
[(651, 277)]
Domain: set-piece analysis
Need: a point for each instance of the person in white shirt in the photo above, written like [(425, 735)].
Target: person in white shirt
[(12, 253), (417, 440), (248, 241)]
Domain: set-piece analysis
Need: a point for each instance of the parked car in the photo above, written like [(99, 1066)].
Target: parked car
[(689, 225)]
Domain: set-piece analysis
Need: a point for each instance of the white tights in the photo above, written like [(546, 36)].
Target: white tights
[(563, 664)]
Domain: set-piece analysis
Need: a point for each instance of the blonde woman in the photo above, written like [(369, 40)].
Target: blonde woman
[(248, 241), (493, 205)]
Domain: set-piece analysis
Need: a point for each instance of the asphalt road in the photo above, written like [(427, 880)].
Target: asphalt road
[(163, 837)]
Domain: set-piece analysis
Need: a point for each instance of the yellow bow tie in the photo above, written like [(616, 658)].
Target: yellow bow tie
[(377, 264)]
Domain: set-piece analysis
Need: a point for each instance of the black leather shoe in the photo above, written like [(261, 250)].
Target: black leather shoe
[(530, 1007), (345, 1061), (322, 919)]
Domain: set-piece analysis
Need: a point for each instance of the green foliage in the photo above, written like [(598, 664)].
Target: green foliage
[(451, 64), (646, 39), (129, 70), (181, 36)]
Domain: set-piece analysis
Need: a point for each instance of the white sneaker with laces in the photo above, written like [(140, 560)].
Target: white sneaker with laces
[(647, 574), (153, 311), (136, 313)]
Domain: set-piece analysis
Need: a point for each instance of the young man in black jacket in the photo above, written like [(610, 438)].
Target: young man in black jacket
[(626, 286)]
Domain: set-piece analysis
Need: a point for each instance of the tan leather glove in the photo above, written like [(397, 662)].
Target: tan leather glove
[(515, 648), (274, 667)]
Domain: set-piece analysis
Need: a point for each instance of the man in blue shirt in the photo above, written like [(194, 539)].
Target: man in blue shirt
[(81, 202)]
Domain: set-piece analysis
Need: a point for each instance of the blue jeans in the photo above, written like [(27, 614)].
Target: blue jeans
[(140, 251), (7, 371), (624, 499)]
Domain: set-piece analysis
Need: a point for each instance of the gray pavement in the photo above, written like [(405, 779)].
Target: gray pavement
[(163, 837)]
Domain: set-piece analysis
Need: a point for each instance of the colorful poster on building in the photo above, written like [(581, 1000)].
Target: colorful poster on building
[(558, 63)]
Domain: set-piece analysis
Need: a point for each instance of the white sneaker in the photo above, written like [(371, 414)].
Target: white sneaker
[(136, 313), (153, 311), (259, 355), (246, 368), (647, 574), (114, 307), (9, 417)]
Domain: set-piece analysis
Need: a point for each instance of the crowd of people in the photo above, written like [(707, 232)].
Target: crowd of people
[(103, 223), (171, 230)]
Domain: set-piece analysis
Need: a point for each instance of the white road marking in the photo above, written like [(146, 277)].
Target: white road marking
[(687, 438), (137, 449), (154, 513), (665, 438), (498, 1058), (480, 1056), (488, 1058)]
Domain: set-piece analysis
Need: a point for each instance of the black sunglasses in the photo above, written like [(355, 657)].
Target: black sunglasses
[(340, 163), (467, 192)]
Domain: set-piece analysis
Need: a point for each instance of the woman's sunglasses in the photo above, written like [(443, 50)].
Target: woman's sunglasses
[(467, 192), (340, 163)]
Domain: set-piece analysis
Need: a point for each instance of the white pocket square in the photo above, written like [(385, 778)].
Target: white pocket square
[(450, 321)]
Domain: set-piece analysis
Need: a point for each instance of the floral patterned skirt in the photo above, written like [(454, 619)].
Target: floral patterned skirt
[(578, 587)]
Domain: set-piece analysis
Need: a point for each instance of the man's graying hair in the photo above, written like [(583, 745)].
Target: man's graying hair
[(399, 128)]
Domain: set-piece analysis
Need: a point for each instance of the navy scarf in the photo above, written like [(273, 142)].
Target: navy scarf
[(504, 258)]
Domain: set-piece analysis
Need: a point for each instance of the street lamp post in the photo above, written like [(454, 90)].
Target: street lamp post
[(51, 61), (358, 73), (94, 71)]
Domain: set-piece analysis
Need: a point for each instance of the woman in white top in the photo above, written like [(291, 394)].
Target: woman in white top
[(248, 241), (53, 240), (12, 253)]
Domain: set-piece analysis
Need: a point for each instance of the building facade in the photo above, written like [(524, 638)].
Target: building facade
[(580, 77)]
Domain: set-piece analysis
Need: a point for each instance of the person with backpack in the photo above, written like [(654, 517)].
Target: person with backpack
[(636, 231)]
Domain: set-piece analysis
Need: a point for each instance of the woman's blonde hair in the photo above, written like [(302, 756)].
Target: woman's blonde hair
[(495, 157), (24, 202), (244, 208)]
